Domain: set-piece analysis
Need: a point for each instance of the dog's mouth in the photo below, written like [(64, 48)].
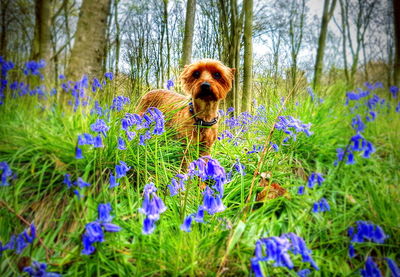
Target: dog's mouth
[(205, 93)]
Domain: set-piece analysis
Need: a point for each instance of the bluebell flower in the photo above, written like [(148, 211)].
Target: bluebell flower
[(67, 180), (85, 139), (80, 183), (398, 108), (394, 269), (300, 190), (33, 68), (394, 91), (5, 66), (170, 84), (144, 137), (6, 173), (352, 251), (130, 135), (78, 153), (96, 85), (230, 110), (20, 242), (298, 246), (109, 76), (121, 169), (373, 102), (315, 178), (100, 127), (98, 142), (341, 155), (286, 122), (274, 146), (78, 194), (121, 144), (321, 206), (61, 76), (353, 96), (177, 184), (94, 231), (311, 93), (367, 231), (39, 270), (187, 223), (239, 167), (357, 124), (304, 272), (53, 91), (131, 120), (212, 202), (199, 216), (371, 116), (152, 207), (119, 102), (371, 269), (113, 181), (256, 149)]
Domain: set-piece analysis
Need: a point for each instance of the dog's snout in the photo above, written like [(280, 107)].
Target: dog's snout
[(205, 86)]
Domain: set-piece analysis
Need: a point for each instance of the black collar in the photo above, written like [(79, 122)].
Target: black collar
[(200, 121)]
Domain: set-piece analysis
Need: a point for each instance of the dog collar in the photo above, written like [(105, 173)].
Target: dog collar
[(200, 121)]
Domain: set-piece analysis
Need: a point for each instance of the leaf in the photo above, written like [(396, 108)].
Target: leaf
[(236, 236)]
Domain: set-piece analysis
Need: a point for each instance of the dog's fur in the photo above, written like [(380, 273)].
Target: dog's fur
[(207, 82)]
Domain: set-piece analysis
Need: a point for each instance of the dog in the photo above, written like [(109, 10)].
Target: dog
[(207, 82)]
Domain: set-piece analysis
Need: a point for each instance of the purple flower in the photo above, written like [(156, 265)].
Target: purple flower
[(298, 246), (121, 144), (94, 230), (170, 84), (394, 269), (394, 91), (96, 85), (81, 184), (152, 207), (109, 75), (33, 68), (341, 155), (119, 102), (121, 169), (352, 251), (300, 190), (315, 178), (177, 184), (304, 272), (357, 124), (6, 172), (67, 180), (100, 127), (274, 146), (39, 270), (98, 142), (113, 181), (398, 108), (239, 167), (286, 122), (187, 223), (367, 231), (321, 206), (78, 153), (21, 241), (371, 269), (371, 116)]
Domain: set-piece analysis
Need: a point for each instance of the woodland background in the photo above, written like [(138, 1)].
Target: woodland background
[(274, 44)]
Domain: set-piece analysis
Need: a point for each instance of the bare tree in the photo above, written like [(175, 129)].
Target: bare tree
[(329, 7), (248, 55), (189, 29), (396, 64), (90, 39), (42, 36)]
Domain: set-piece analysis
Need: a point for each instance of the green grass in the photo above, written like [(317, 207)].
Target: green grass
[(39, 145)]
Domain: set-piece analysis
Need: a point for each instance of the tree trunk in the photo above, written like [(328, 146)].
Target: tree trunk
[(396, 64), (117, 37), (42, 35), (248, 56), (90, 40), (319, 62), (3, 35), (189, 29)]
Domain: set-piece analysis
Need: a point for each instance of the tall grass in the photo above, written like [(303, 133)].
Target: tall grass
[(38, 139)]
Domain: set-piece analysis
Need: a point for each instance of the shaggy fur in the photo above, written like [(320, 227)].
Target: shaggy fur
[(207, 82)]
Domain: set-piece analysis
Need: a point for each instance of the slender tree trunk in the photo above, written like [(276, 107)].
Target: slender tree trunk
[(42, 34), (396, 64), (90, 40), (319, 62), (248, 56), (189, 29), (117, 37), (3, 35), (165, 17)]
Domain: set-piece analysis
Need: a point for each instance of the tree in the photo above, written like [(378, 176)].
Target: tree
[(329, 7), (189, 29), (42, 35), (248, 55), (396, 64), (90, 39)]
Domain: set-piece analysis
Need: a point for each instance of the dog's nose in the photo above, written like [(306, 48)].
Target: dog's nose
[(205, 86)]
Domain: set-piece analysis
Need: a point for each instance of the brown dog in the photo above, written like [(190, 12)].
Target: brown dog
[(207, 82)]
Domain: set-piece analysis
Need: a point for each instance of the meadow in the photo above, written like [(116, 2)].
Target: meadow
[(90, 189)]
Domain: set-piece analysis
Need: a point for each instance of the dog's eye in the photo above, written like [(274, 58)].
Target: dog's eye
[(217, 75), (196, 74)]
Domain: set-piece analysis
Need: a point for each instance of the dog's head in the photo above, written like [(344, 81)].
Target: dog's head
[(207, 79)]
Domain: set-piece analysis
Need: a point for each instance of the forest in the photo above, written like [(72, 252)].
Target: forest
[(269, 144)]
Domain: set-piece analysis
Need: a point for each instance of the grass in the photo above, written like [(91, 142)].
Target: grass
[(39, 145)]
